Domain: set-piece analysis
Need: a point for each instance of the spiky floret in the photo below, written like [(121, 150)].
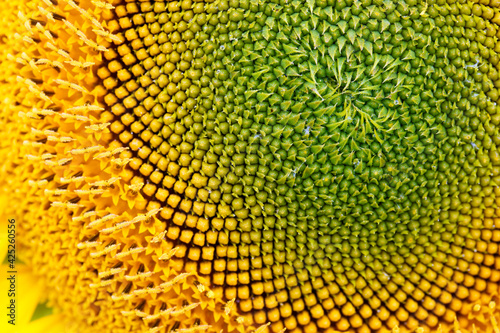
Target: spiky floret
[(315, 166)]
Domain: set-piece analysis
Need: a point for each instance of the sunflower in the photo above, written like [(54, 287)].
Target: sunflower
[(252, 165)]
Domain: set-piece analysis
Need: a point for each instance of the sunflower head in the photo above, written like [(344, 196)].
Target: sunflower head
[(258, 166)]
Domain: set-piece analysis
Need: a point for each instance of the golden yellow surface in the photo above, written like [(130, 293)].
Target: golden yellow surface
[(131, 226)]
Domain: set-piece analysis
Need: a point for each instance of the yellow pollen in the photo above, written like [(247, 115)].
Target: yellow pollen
[(138, 276), (111, 272), (229, 306)]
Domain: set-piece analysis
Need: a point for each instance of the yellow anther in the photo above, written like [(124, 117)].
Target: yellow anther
[(102, 155), (43, 61), (32, 143), (112, 229), (79, 64), (73, 86), (33, 66), (200, 286), (105, 251), (122, 298), (159, 314), (92, 213), (28, 40), (101, 220), (41, 95), (50, 163), (71, 180), (62, 139), (184, 309), (51, 46), (152, 317), (56, 63), (64, 161), (106, 183), (81, 151), (101, 284), (107, 34), (61, 52), (47, 156), (476, 307), (43, 112), (110, 272), (110, 153), (43, 133), (46, 13), (37, 158), (132, 251), (210, 294), (94, 191), (153, 212), (45, 32), (95, 46), (48, 3), (55, 192), (82, 36), (39, 183), (146, 291), (29, 115), (50, 63), (155, 329), (169, 254), (135, 220), (121, 162), (88, 245), (229, 306), (87, 107), (21, 16), (138, 276), (492, 305), (74, 117), (21, 61), (135, 188), (25, 57), (174, 281), (140, 314), (240, 320), (86, 215), (126, 313), (97, 127), (73, 5), (24, 80), (25, 21), (157, 238), (102, 4)]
